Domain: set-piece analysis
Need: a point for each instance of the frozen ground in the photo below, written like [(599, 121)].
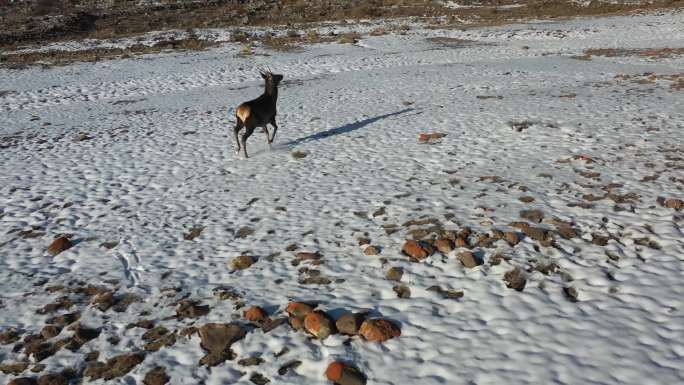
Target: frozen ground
[(157, 159)]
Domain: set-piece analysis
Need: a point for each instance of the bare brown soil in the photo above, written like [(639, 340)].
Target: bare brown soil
[(41, 21)]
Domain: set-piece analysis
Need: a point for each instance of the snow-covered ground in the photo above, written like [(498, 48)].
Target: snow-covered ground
[(157, 160)]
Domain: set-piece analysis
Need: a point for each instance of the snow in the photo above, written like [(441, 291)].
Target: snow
[(161, 161)]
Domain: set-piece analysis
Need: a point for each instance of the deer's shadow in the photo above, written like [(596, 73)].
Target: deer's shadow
[(344, 129)]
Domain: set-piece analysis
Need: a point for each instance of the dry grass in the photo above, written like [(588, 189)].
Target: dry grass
[(60, 57), (25, 22), (651, 53)]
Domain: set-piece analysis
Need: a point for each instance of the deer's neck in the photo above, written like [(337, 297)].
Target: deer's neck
[(271, 91)]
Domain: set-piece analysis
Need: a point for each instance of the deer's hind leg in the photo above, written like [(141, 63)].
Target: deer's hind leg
[(243, 139), (236, 131), (275, 129)]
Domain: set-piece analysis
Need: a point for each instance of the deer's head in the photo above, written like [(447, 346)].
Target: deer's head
[(271, 78)]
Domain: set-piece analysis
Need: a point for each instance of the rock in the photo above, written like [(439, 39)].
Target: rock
[(242, 262), (538, 234), (37, 368), (402, 291), (600, 240), (292, 365), (571, 294), (251, 361), (461, 242), (103, 301), (259, 379), (379, 330), (156, 376), (270, 324), (216, 339), (363, 241), (566, 231), (23, 381), (526, 199), (371, 250), (91, 356), (155, 333), (394, 274), (318, 324), (298, 309), (255, 314), (64, 319), (674, 203), (191, 309), (447, 294), (60, 244), (511, 237), (445, 246), (9, 336), (416, 250), (430, 138), (350, 323), (53, 379), (49, 331), (83, 334), (534, 216), (515, 279), (115, 367), (14, 368), (296, 323), (468, 259), (343, 374)]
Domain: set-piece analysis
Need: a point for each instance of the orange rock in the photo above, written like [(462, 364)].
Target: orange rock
[(379, 330), (461, 242), (343, 374), (298, 309), (318, 324), (511, 237), (445, 246), (417, 250), (255, 314), (58, 245)]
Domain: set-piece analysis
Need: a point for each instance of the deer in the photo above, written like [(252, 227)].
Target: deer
[(258, 112)]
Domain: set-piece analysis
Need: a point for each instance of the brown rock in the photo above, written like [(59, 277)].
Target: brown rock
[(350, 323), (600, 240), (14, 368), (538, 234), (461, 242), (318, 324), (115, 367), (242, 262), (91, 356), (418, 251), (251, 361), (298, 309), (402, 291), (515, 279), (103, 301), (566, 231), (674, 203), (9, 336), (343, 374), (165, 341), (296, 323), (526, 199), (23, 381), (37, 368), (258, 379), (64, 319), (156, 376), (292, 365), (155, 333), (255, 314), (216, 339), (49, 331), (371, 250), (53, 379), (534, 216), (511, 237), (379, 330), (191, 309), (571, 293), (60, 244), (444, 245), (395, 274), (468, 259), (363, 241)]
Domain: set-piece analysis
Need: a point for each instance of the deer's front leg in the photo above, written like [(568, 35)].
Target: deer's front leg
[(268, 136), (275, 129)]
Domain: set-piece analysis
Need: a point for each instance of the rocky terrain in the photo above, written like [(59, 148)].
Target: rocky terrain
[(501, 203)]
